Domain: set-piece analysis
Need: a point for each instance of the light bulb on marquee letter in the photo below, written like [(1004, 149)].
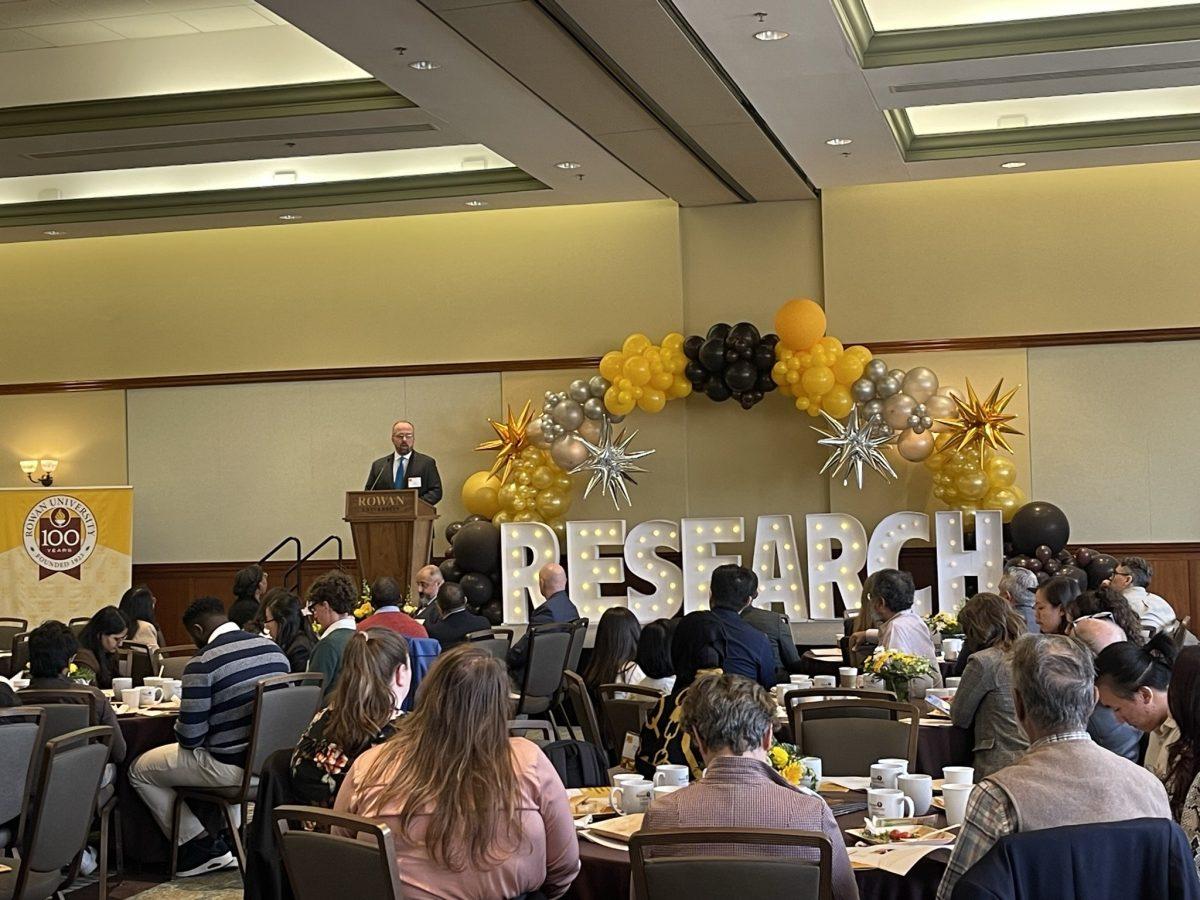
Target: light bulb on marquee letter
[(642, 560), (825, 571), (700, 556), (524, 548), (884, 552), (775, 543), (587, 569), (955, 565)]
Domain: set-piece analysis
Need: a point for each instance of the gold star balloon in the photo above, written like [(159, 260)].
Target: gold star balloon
[(512, 440), (980, 423)]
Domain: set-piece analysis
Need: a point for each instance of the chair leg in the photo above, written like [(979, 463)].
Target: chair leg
[(119, 843), (103, 849), (176, 821), (235, 833)]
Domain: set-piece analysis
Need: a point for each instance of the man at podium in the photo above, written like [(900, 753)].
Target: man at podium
[(405, 467)]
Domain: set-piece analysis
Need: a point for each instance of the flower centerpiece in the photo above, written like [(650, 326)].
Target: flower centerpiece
[(943, 623), (787, 761), (897, 669), (80, 674), (364, 607)]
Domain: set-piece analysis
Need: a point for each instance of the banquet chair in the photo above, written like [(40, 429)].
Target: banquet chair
[(585, 712), (284, 705), (136, 661), (317, 861), (495, 641), (21, 740), (549, 646), (10, 627), (850, 742), (521, 728), (579, 629), (60, 814), (171, 661), (20, 653), (815, 695), (624, 708), (711, 871), (77, 624)]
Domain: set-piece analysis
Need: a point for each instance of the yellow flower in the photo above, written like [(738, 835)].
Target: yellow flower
[(779, 757), (793, 772)]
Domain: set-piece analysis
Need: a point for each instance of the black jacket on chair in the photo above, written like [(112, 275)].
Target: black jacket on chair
[(419, 466), (1140, 858), (452, 628)]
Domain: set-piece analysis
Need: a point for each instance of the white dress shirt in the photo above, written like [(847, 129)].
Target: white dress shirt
[(396, 458), (346, 622), (1155, 612)]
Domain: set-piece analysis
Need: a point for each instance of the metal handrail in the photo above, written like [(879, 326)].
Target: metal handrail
[(291, 539), (298, 566)]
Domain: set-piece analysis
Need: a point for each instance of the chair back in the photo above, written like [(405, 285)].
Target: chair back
[(850, 742), (77, 624), (61, 810), (579, 629), (625, 708), (284, 705), (64, 709), (171, 661), (317, 862), (549, 647), (495, 641), (816, 695), (21, 740), (585, 711), (522, 727), (10, 627), (715, 864), (20, 653), (137, 661)]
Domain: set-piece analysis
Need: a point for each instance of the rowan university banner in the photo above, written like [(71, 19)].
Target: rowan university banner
[(65, 552)]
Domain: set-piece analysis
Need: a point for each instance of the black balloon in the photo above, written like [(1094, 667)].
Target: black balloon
[(1100, 569), (765, 383), (712, 354), (716, 389), (493, 612), (1042, 578), (1043, 552), (696, 374), (691, 347), (744, 333), (720, 331), (1084, 556), (477, 588), (1077, 574), (469, 519), (1040, 523), (450, 570), (477, 547), (452, 529), (741, 376), (764, 358), (1052, 567)]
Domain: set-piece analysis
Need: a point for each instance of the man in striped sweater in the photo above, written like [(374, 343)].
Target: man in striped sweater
[(215, 718)]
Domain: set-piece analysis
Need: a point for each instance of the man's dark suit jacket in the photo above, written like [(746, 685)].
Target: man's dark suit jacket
[(452, 628), (557, 608), (419, 466)]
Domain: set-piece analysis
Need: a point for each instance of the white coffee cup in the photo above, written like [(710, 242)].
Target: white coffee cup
[(888, 803), (661, 791), (951, 647), (131, 697), (781, 691), (151, 694), (177, 687), (824, 681), (670, 774), (631, 796), (901, 764), (919, 789), (813, 764), (621, 777), (847, 677), (121, 685), (800, 680), (884, 776), (953, 682), (955, 797), (958, 775)]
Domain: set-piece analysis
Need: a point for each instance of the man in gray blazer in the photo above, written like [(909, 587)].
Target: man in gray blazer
[(405, 467), (783, 647)]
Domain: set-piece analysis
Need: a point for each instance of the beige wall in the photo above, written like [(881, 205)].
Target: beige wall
[(85, 432)]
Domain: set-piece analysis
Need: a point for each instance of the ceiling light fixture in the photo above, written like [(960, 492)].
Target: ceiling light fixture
[(1012, 164), (424, 65), (839, 142), (53, 233), (568, 164), (290, 217), (475, 204), (284, 176), (770, 35)]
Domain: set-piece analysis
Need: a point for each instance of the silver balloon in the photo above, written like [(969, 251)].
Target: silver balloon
[(918, 428), (926, 421), (589, 429), (876, 369), (940, 407), (616, 420), (568, 452), (578, 391), (914, 422), (898, 374), (598, 385), (873, 409), (863, 390), (896, 411), (887, 387), (920, 384), (535, 435), (568, 414), (593, 408)]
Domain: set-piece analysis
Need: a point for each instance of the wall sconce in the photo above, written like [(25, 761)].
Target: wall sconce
[(29, 466)]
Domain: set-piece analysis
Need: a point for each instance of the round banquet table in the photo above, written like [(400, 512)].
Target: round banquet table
[(939, 744), (827, 661), (143, 840), (604, 874)]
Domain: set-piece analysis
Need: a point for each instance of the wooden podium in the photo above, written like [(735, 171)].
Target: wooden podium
[(393, 533)]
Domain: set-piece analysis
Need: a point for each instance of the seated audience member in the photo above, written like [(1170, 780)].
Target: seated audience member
[(1064, 778), (864, 629), (783, 646), (1133, 683), (1105, 604), (984, 700), (213, 731), (249, 587), (386, 598), (731, 719), (474, 812), (454, 620), (363, 711), (748, 652), (99, 642), (285, 623), (51, 648), (1183, 769), (613, 656), (8, 697), (1119, 737), (1017, 587), (892, 593), (1132, 577), (654, 656), (697, 647), (552, 585), (429, 582), (137, 606), (331, 600), (1050, 604)]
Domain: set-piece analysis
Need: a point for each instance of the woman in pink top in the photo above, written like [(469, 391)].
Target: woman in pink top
[(476, 815)]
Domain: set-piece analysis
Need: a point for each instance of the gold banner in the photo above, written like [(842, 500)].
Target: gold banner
[(64, 552)]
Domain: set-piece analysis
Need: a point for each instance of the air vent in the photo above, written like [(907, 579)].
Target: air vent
[(250, 139), (1186, 66)]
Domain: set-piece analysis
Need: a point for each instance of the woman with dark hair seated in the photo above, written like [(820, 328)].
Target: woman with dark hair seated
[(99, 642), (1050, 602), (1133, 683), (249, 585), (1105, 603), (697, 647), (1183, 768), (285, 624), (612, 660), (654, 656), (137, 606)]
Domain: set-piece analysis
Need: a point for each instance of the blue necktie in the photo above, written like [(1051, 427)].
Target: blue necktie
[(398, 484)]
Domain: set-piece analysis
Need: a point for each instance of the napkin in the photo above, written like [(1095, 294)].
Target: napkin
[(849, 782), (895, 858)]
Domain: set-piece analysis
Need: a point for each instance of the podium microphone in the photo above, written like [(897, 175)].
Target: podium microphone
[(377, 475)]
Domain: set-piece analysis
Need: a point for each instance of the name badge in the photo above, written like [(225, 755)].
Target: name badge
[(414, 482)]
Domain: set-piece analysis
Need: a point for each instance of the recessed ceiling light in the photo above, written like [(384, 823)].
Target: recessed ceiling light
[(568, 164), (53, 233), (290, 217), (475, 204), (424, 65), (839, 142), (1012, 164), (770, 35)]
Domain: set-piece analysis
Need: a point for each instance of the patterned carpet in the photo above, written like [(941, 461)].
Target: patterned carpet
[(224, 885)]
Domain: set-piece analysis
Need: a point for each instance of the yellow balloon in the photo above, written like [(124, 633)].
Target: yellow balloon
[(662, 380), (1002, 472), (673, 341), (635, 343), (618, 402), (502, 518), (527, 515), (935, 462), (652, 401), (680, 388), (550, 504), (972, 485), (507, 495), (637, 370), (611, 363), (800, 323), (803, 403), (838, 401), (562, 483), (817, 380), (831, 344), (860, 352), (779, 372), (848, 369), (480, 494), (543, 477)]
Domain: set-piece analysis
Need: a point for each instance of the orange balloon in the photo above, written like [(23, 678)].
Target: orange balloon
[(800, 323)]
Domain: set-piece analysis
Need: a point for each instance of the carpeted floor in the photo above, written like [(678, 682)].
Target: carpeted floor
[(224, 885)]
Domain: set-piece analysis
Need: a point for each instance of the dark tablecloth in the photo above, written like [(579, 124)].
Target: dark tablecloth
[(604, 874), (144, 841), (814, 665), (942, 745)]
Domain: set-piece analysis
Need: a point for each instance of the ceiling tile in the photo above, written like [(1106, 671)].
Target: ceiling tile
[(225, 18), (72, 33), (24, 13), (15, 39), (149, 26)]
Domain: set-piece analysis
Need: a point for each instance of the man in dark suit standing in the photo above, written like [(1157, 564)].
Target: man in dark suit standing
[(405, 467), (552, 584), (456, 622)]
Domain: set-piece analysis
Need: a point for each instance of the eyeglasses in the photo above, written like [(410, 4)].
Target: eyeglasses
[(1122, 574)]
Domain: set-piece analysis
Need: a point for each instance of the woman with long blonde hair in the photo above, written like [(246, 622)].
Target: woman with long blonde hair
[(476, 814)]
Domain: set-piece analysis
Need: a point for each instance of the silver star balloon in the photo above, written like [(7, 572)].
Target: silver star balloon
[(610, 462), (854, 445)]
